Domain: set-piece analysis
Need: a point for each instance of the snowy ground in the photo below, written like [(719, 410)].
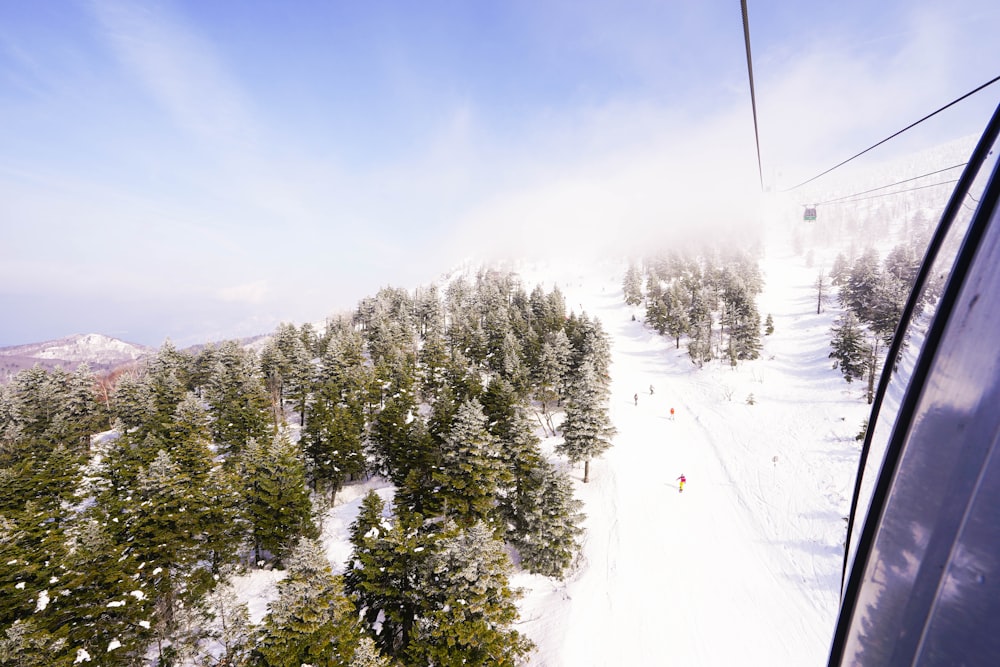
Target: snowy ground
[(743, 567)]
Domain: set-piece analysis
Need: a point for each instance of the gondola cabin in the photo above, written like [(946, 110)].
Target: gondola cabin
[(810, 213)]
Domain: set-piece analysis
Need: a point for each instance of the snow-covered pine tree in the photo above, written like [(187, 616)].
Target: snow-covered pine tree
[(468, 607), (471, 472), (632, 285), (546, 521), (590, 343), (367, 655), (858, 292), (700, 327), (849, 347), (675, 313), (286, 364), (333, 435), (311, 622), (224, 528), (110, 605), (225, 622), (549, 377), (275, 496), (364, 532), (512, 366), (161, 525), (132, 400), (383, 575), (587, 430), (166, 376), (238, 401)]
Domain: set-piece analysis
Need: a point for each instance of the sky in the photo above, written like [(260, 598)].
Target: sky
[(198, 171)]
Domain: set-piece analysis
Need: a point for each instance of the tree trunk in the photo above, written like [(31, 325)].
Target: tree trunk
[(872, 368), (586, 471)]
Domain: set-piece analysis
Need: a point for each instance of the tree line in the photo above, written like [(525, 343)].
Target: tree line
[(706, 297), (119, 549), (872, 293)]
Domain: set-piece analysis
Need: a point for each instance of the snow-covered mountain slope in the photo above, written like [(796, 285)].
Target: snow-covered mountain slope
[(743, 567), (99, 351)]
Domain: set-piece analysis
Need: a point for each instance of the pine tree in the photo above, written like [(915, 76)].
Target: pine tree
[(840, 270), (333, 437), (383, 575), (700, 328), (858, 292), (590, 343), (472, 471), (106, 605), (468, 607), (549, 378), (888, 301), (587, 431), (286, 365), (367, 655), (312, 621), (132, 401), (632, 286), (238, 401), (161, 525), (276, 500), (545, 521), (224, 528), (848, 346), (675, 314)]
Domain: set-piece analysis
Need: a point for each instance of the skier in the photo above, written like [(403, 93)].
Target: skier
[(680, 486), (671, 413), (636, 397), (650, 390)]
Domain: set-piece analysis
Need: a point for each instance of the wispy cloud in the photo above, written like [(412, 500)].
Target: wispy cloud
[(179, 69)]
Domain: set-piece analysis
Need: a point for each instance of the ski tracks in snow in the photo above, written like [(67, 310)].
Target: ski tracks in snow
[(700, 577)]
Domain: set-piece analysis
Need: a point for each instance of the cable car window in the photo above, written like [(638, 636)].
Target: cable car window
[(913, 331)]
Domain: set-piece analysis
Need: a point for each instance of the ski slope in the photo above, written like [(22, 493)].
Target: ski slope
[(743, 567)]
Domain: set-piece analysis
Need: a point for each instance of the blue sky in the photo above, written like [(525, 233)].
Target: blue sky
[(203, 170)]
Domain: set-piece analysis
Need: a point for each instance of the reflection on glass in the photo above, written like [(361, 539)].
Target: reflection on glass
[(914, 333)]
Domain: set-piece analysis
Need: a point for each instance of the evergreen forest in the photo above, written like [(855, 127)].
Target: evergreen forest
[(129, 501)]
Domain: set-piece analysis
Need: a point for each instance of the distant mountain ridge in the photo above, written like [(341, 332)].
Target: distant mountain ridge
[(100, 352)]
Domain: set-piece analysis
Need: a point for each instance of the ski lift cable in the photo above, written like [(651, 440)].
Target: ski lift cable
[(893, 136), (753, 96), (897, 192), (883, 187)]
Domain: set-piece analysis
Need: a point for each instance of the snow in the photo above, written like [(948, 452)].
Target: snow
[(43, 601), (81, 656), (258, 589), (743, 567), (113, 644)]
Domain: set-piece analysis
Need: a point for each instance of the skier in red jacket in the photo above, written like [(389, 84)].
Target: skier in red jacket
[(680, 487)]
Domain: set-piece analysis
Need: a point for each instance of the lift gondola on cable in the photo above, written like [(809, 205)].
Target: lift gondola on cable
[(922, 566), (810, 213)]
